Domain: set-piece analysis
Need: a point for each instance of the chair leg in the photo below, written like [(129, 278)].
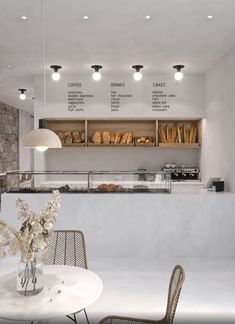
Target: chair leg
[(86, 316), (74, 319)]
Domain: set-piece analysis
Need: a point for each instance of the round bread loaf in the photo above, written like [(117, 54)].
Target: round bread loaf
[(96, 137), (106, 137)]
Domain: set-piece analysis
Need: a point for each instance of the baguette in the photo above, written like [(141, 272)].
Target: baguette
[(191, 133), (179, 133), (162, 130), (173, 133), (184, 134), (167, 134), (195, 133)]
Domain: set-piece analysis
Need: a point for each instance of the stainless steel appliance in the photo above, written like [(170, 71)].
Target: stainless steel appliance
[(183, 173)]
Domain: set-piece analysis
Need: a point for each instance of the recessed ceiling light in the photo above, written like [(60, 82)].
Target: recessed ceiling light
[(24, 17), (209, 17), (85, 17), (147, 17), (9, 66)]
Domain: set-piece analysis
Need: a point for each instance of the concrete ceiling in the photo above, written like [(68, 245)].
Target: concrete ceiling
[(116, 35)]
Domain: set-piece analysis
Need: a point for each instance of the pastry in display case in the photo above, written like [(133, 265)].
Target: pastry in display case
[(88, 182)]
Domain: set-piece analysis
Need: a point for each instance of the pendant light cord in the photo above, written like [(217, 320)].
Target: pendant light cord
[(43, 59)]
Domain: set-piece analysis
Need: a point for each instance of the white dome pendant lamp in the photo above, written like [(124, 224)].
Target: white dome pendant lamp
[(42, 138)]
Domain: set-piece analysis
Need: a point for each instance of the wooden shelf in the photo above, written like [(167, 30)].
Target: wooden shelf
[(73, 145), (145, 145), (148, 127), (110, 145), (180, 145)]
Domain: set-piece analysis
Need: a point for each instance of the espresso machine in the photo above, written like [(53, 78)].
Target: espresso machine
[(182, 173)]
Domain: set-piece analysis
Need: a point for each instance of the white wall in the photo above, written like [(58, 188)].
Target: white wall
[(118, 158), (189, 102), (218, 149)]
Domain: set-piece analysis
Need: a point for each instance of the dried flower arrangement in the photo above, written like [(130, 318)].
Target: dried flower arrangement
[(34, 233)]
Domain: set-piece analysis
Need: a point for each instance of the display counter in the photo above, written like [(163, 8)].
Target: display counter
[(142, 224)]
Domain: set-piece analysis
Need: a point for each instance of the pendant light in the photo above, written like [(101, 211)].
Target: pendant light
[(22, 94), (178, 74), (41, 139), (137, 75), (55, 75), (96, 75)]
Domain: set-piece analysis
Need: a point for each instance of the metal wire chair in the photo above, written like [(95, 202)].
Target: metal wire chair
[(176, 282), (67, 247)]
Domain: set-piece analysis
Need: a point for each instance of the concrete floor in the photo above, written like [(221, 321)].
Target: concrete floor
[(138, 287)]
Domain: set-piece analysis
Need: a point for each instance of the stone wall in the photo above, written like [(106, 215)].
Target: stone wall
[(9, 120)]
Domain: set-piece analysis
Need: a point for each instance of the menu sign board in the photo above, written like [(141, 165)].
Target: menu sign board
[(77, 97), (161, 97), (121, 97), (118, 95)]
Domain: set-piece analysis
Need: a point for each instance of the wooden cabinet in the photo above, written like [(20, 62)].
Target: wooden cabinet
[(158, 133)]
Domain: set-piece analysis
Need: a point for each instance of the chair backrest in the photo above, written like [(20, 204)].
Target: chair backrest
[(176, 282), (67, 248)]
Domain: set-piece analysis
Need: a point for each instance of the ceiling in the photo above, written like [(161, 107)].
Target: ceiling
[(116, 35)]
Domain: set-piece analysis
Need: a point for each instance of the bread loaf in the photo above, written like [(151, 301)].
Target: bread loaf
[(179, 134), (96, 138), (163, 135), (173, 133), (129, 138), (76, 137), (184, 134), (167, 134), (118, 138), (82, 134), (124, 138), (195, 133), (68, 137), (191, 133), (106, 137), (112, 138)]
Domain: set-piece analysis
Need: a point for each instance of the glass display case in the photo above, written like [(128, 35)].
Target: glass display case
[(126, 181), (88, 182)]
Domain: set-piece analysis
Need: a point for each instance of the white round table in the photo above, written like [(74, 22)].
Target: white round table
[(66, 290)]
